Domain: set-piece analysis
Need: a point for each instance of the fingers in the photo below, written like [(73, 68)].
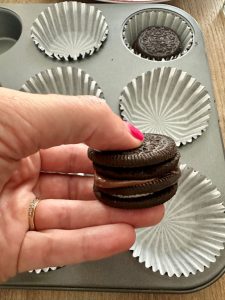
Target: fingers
[(63, 247), (50, 120), (58, 186), (66, 159), (65, 214), (32, 122)]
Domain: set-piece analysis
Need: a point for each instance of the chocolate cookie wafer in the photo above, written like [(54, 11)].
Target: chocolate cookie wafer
[(143, 201), (145, 172), (155, 149), (157, 42)]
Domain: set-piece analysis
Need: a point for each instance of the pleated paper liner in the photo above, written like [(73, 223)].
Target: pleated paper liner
[(69, 30), (167, 101), (65, 80), (158, 17), (45, 270), (192, 232)]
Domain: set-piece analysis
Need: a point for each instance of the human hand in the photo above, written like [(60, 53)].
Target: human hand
[(71, 226)]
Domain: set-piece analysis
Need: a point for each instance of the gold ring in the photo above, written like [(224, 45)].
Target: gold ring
[(31, 213)]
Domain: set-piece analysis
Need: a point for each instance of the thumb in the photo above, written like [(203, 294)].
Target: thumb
[(32, 122)]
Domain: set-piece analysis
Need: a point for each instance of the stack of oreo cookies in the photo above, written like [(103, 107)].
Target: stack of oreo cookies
[(139, 178)]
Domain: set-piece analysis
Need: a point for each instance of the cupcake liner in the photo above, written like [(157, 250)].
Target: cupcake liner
[(192, 232), (157, 17), (65, 80), (45, 270), (167, 101), (69, 30)]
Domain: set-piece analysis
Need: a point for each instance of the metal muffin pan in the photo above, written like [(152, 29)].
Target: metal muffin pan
[(113, 67)]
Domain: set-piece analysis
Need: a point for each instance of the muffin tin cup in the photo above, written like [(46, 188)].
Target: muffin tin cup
[(63, 80), (167, 101), (10, 29), (157, 17), (69, 30), (191, 234)]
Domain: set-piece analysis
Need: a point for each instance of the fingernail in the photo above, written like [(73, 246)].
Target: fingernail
[(135, 132)]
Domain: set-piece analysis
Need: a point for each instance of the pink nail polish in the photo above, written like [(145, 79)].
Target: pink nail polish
[(135, 132)]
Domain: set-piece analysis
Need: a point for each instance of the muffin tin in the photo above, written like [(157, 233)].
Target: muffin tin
[(112, 68)]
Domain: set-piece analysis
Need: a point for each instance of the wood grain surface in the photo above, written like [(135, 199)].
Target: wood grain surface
[(209, 15)]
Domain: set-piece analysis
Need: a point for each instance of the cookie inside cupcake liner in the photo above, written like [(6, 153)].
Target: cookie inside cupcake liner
[(139, 21), (66, 80), (69, 30), (191, 234), (167, 101)]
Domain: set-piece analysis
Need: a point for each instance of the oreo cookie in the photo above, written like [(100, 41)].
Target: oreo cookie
[(140, 202), (155, 149), (138, 178), (157, 42), (145, 172)]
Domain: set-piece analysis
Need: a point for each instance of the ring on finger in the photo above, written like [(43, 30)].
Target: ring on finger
[(31, 213)]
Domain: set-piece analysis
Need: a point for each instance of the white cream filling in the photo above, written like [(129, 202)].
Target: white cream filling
[(131, 196)]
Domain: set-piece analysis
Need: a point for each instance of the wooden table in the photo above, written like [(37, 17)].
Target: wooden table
[(212, 21)]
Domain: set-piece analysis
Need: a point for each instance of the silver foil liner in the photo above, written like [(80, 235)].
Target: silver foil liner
[(167, 101), (192, 232), (158, 17), (63, 80), (45, 270), (69, 30)]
